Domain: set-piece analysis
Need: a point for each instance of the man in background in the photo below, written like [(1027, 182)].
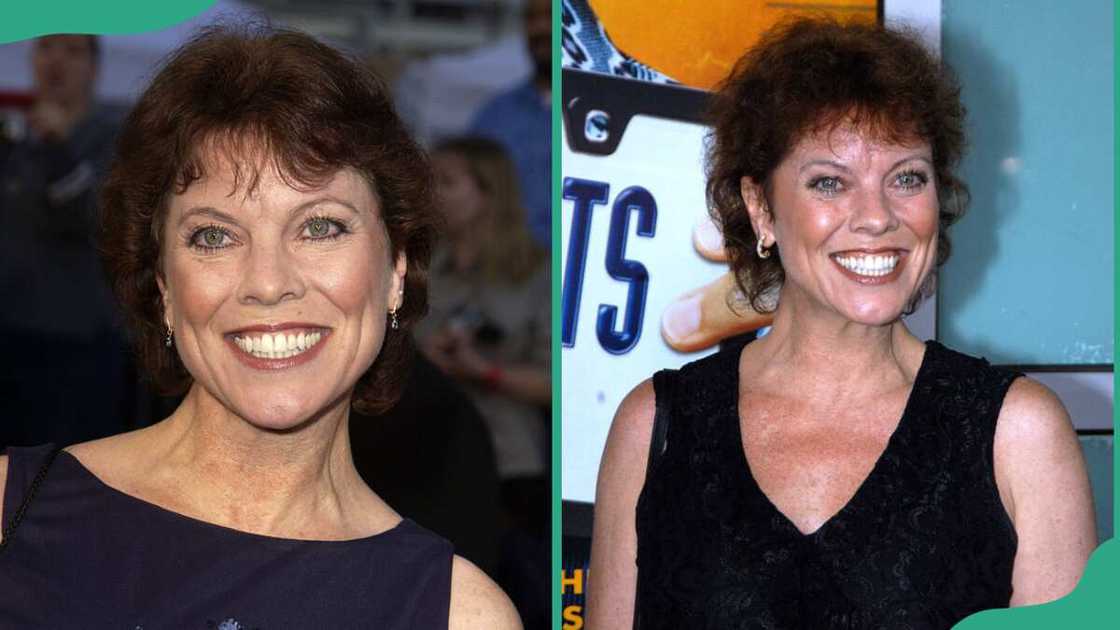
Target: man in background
[(521, 119), (63, 377)]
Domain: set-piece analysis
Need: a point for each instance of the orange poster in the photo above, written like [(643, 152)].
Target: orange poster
[(696, 43)]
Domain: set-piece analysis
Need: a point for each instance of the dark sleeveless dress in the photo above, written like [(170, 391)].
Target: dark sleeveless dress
[(87, 556), (924, 542)]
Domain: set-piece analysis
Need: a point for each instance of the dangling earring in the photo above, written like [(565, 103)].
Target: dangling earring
[(395, 323), (167, 339), (760, 249)]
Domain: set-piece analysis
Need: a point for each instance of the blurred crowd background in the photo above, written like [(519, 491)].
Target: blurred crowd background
[(466, 453)]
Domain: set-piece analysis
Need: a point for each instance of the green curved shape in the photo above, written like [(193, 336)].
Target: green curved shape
[(23, 20), (1092, 602)]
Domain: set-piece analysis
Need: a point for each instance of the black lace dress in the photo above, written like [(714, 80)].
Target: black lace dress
[(923, 543)]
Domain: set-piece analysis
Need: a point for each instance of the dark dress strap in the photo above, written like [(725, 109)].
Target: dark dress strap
[(27, 468), (664, 390)]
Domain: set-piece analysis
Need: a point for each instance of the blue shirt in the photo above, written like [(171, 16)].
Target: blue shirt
[(522, 121)]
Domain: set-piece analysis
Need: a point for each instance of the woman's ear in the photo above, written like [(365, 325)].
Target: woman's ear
[(166, 299), (762, 220), (396, 290)]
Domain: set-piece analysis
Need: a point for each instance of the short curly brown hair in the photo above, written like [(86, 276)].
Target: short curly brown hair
[(315, 111), (807, 76)]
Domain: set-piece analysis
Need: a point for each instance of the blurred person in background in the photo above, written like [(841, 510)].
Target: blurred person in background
[(66, 373), (488, 328), (521, 119)]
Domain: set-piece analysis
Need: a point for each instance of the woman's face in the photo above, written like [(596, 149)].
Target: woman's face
[(461, 199), (278, 297), (855, 221)]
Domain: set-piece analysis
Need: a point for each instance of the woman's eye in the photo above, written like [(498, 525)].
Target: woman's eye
[(210, 238), (911, 180), (826, 185), (320, 228)]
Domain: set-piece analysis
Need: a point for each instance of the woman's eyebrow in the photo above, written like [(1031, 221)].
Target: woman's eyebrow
[(208, 211), (831, 163), (917, 156), (321, 200), (214, 213)]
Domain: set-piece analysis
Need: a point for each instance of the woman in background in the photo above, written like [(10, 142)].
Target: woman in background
[(489, 319), (489, 329)]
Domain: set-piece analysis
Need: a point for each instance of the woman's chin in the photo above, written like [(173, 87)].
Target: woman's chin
[(874, 314), (281, 416)]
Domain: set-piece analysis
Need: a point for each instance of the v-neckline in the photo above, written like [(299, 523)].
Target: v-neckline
[(745, 464)]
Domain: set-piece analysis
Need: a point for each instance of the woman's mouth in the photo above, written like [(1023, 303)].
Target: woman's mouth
[(280, 345), (280, 349), (870, 267)]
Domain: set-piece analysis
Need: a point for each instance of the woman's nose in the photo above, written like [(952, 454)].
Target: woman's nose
[(873, 214), (271, 276)]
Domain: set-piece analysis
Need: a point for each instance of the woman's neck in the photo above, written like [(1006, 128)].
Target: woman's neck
[(296, 483), (839, 354)]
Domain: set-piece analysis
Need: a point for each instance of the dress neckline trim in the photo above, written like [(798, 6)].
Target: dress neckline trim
[(399, 528)]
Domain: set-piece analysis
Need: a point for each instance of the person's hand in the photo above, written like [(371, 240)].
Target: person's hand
[(703, 317), (50, 121), (453, 350)]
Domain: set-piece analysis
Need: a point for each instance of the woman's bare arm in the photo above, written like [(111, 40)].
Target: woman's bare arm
[(477, 602), (613, 573), (1041, 475)]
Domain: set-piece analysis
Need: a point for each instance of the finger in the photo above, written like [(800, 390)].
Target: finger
[(708, 240), (702, 318)]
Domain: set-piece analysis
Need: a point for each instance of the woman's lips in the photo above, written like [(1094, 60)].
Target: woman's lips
[(285, 348), (871, 267)]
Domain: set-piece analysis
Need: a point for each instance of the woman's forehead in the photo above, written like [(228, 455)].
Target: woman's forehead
[(847, 142), (245, 172)]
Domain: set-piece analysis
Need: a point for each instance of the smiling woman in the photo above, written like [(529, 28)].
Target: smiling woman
[(245, 271), (837, 472), (267, 225)]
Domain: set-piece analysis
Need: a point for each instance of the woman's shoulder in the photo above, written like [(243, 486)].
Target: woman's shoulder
[(477, 602), (701, 382), (633, 421), (622, 468), (1040, 472), (1032, 416)]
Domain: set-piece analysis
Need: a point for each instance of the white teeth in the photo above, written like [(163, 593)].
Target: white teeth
[(873, 266), (278, 346)]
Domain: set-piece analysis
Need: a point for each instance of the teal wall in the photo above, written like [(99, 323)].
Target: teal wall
[(1030, 278), (1098, 461)]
